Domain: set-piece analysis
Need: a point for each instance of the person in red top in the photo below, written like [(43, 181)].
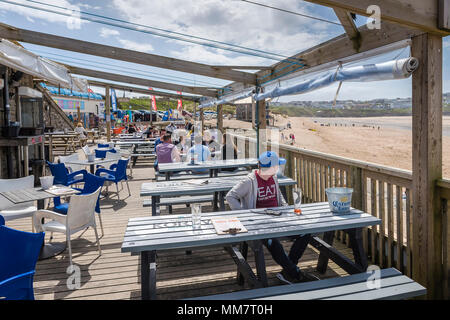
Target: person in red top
[(260, 189)]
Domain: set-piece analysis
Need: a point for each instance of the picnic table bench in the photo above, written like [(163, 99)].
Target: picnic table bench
[(362, 286), (185, 175), (193, 187)]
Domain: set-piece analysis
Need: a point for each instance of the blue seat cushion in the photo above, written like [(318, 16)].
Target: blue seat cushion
[(62, 208)]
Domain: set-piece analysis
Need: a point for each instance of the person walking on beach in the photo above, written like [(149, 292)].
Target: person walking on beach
[(260, 189)]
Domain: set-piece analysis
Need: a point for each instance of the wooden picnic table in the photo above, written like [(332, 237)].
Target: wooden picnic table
[(68, 141), (213, 166), (194, 187), (147, 235), (38, 194), (135, 143)]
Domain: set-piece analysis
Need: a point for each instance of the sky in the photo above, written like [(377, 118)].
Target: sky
[(230, 21)]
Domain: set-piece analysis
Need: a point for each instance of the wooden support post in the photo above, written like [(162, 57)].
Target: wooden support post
[(427, 163), (79, 115), (108, 114), (194, 116), (220, 119), (202, 120), (261, 126)]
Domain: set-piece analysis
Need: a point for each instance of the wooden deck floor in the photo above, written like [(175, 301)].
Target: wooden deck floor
[(116, 275)]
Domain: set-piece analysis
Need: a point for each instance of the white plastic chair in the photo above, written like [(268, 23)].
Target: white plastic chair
[(72, 167), (80, 215), (22, 210), (86, 150)]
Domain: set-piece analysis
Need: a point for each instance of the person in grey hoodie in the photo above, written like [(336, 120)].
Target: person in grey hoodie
[(260, 189)]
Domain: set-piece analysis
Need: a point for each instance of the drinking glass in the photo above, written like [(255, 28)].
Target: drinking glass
[(196, 210), (297, 195)]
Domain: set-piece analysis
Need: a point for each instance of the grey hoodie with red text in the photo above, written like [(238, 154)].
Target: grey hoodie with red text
[(244, 194)]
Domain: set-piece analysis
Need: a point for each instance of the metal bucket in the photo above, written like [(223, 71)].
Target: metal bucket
[(339, 199)]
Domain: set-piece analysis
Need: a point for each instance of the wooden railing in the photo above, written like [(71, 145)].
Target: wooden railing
[(444, 192), (382, 191)]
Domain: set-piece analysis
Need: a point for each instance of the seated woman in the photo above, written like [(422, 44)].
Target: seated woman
[(80, 130)]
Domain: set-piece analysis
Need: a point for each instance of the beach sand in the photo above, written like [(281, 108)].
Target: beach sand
[(391, 145)]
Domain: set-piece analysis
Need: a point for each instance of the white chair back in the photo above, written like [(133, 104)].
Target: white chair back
[(86, 150), (16, 184), (81, 210), (71, 167)]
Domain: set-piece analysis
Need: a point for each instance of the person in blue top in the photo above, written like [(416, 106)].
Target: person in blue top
[(199, 153)]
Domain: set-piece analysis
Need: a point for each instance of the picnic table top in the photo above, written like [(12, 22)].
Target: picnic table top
[(30, 194), (86, 162), (176, 232), (210, 164), (133, 142), (198, 186)]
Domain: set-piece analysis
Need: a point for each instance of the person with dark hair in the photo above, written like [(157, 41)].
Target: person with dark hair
[(166, 152), (260, 189)]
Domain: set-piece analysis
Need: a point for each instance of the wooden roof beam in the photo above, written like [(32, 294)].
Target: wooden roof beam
[(350, 28), (100, 50), (143, 91), (420, 14), (140, 81)]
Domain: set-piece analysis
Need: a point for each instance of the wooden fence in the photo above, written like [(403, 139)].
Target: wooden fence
[(382, 191)]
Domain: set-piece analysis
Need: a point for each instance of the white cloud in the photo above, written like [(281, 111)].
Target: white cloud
[(106, 32), (137, 46), (229, 21), (72, 22)]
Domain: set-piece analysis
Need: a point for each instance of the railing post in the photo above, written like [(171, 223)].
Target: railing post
[(290, 172), (357, 185)]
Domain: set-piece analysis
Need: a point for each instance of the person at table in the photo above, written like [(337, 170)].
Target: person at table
[(166, 152), (260, 189), (131, 129), (199, 151), (171, 127), (160, 138), (188, 126), (229, 150), (80, 130), (148, 132)]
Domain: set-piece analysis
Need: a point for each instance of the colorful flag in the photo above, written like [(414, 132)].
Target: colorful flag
[(90, 90), (113, 100), (180, 103), (153, 101)]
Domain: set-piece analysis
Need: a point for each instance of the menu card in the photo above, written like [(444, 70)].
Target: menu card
[(61, 190), (228, 225)]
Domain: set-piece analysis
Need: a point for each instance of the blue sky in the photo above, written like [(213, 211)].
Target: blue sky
[(230, 21)]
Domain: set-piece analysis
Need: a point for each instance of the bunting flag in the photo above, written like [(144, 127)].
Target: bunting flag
[(180, 103), (153, 101), (113, 100)]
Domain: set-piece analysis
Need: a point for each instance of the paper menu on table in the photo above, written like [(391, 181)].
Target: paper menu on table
[(222, 224), (61, 190)]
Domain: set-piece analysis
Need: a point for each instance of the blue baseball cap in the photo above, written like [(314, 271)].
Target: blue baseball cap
[(270, 159)]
